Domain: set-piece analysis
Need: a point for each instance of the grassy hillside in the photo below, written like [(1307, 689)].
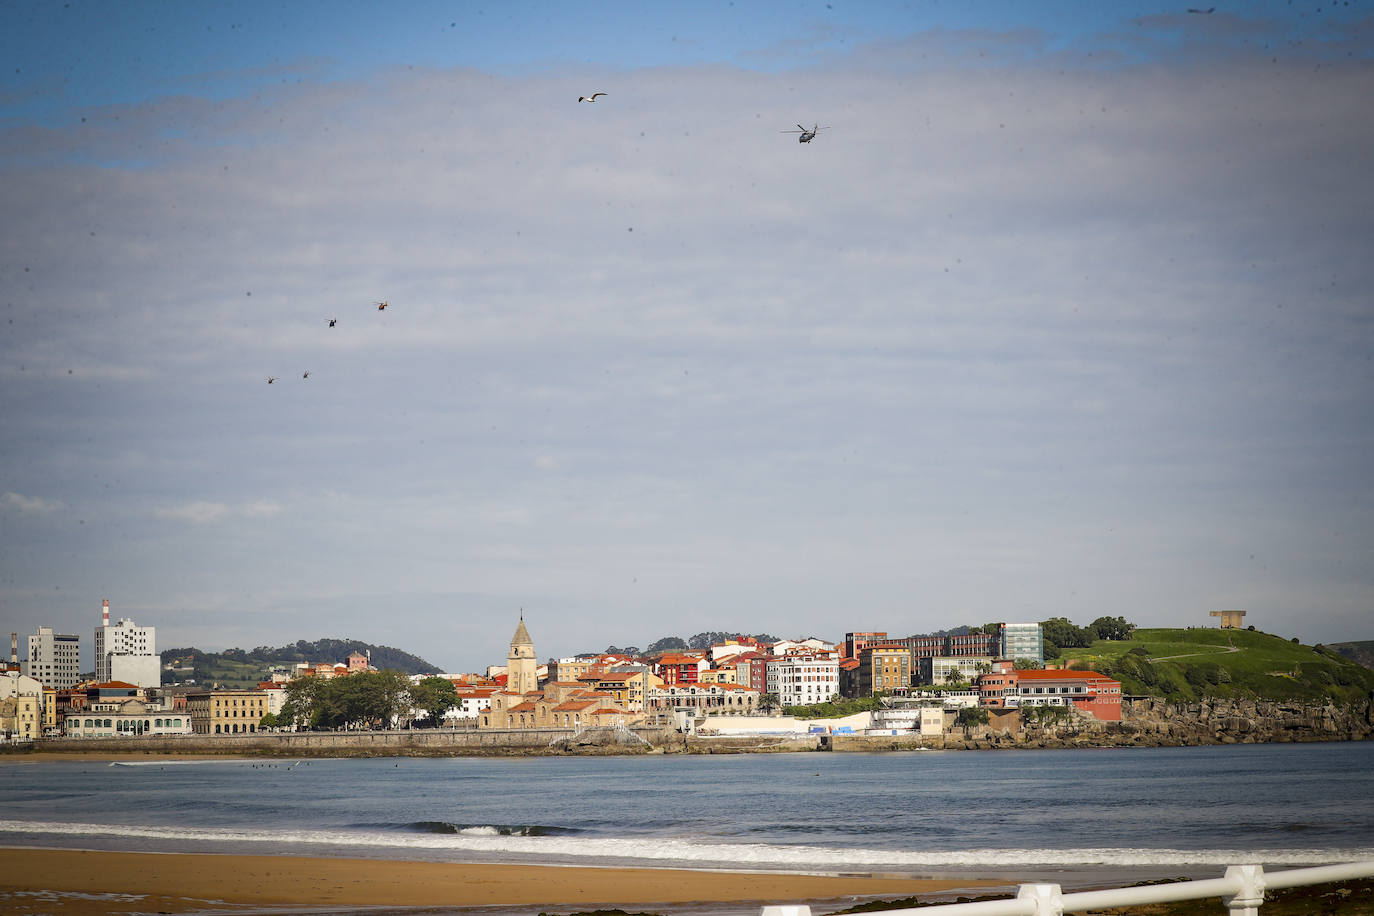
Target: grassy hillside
[(1192, 664)]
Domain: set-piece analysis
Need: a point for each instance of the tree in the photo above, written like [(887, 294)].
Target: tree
[(970, 716), (1064, 634), (1116, 628), (436, 696), (1027, 664), (667, 644), (768, 702)]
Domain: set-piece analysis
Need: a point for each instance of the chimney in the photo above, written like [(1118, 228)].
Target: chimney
[(14, 651), (105, 612)]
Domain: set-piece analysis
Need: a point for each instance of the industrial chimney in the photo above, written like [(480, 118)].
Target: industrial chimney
[(105, 612)]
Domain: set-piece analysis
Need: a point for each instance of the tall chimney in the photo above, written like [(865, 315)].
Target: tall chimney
[(105, 612), (14, 651)]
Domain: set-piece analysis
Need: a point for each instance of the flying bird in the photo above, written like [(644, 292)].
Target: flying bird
[(307, 374), (333, 321), (589, 98), (381, 306), (271, 379)]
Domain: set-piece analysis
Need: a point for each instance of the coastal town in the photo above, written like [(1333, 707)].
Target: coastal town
[(736, 685)]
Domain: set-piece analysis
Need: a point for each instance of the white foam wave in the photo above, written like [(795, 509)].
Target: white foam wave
[(684, 853)]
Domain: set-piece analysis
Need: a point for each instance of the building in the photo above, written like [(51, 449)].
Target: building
[(941, 670), (1230, 620), (21, 705), (681, 667), (125, 652), (803, 679), (854, 642), (1022, 641), (628, 686), (557, 704), (1005, 687), (227, 712), (883, 668), (53, 659), (126, 717), (704, 699), (522, 668), (472, 702)]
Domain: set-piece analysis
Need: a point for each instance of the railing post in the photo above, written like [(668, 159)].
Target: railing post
[(1048, 899), (1247, 900)]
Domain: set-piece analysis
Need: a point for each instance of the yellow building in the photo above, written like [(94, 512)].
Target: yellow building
[(20, 719), (227, 712), (627, 687)]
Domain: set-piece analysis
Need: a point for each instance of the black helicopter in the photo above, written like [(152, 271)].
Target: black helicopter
[(806, 135)]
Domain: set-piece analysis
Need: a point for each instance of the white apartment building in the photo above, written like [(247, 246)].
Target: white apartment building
[(125, 652), (54, 659), (800, 680)]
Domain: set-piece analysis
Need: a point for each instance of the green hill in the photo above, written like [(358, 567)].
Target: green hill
[(1193, 664), (239, 668)]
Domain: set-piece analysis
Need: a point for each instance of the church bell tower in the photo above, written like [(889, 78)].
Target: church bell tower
[(522, 668)]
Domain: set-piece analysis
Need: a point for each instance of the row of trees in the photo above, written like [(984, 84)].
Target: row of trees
[(704, 640), (368, 699), (1059, 633)]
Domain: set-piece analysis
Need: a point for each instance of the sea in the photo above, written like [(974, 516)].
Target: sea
[(1081, 817)]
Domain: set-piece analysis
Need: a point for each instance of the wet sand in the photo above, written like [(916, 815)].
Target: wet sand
[(56, 881)]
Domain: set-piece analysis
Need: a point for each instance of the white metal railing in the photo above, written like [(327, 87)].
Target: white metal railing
[(1241, 889)]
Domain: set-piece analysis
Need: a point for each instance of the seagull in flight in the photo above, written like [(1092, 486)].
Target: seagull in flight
[(271, 379), (381, 306), (307, 374), (333, 321), (589, 98)]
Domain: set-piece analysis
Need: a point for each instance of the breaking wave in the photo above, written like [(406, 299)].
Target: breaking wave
[(488, 829), (440, 839)]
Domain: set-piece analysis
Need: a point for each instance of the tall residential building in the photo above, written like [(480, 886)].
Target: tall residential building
[(125, 652), (1022, 640), (801, 680), (54, 659)]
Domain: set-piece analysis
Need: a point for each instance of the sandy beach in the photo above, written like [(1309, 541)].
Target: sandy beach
[(30, 880)]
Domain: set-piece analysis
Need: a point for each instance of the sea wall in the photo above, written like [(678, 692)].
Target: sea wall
[(1145, 722), (405, 743)]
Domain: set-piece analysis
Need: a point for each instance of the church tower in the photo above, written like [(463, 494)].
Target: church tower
[(522, 668)]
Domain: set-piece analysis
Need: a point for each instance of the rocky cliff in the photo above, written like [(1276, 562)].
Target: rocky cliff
[(1154, 723)]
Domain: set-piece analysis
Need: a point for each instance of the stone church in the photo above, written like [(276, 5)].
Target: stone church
[(527, 704)]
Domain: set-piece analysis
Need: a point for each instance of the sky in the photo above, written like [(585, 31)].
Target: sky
[(1066, 312)]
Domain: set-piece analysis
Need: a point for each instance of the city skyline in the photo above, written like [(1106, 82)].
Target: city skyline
[(1066, 314)]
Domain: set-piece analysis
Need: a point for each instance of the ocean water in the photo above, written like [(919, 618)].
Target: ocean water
[(1033, 815)]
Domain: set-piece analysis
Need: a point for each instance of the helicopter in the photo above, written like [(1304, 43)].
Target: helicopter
[(806, 135)]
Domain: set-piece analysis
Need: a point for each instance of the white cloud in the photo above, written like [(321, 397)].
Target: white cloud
[(990, 316), (203, 513), (29, 505)]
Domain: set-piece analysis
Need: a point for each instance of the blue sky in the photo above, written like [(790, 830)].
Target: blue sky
[(1066, 314)]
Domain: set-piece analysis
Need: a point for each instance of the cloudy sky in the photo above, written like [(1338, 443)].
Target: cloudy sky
[(1067, 313)]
